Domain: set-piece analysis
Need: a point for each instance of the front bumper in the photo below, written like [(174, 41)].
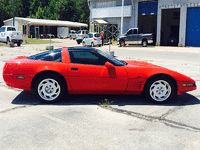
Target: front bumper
[(185, 87)]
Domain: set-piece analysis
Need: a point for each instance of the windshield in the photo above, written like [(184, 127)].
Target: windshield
[(78, 32), (112, 59), (97, 35)]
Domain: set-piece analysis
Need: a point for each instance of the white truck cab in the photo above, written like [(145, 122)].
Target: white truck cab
[(9, 34)]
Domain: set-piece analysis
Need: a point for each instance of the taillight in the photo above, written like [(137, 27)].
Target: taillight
[(11, 35), (152, 36), (94, 38), (22, 35)]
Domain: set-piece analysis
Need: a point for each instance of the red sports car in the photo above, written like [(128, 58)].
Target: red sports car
[(81, 70)]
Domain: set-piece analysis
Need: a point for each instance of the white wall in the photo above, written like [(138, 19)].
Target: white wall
[(110, 12), (10, 23), (183, 5)]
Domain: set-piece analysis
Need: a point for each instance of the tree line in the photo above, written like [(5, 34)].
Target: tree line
[(68, 10)]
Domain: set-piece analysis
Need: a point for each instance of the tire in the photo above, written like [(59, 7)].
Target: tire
[(159, 89), (8, 41), (49, 88), (121, 43), (144, 43), (92, 44), (78, 42), (18, 44), (83, 44)]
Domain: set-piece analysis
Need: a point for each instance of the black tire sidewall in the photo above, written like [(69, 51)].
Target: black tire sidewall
[(60, 82), (151, 81)]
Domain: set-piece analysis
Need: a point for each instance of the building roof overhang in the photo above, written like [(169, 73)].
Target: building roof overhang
[(44, 22)]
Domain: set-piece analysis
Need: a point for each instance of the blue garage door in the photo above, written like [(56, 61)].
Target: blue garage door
[(148, 8), (193, 27)]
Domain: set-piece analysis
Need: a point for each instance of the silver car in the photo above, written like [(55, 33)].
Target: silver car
[(92, 39), (72, 34), (80, 35)]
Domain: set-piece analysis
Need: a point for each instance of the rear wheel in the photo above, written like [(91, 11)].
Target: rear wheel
[(144, 43), (92, 44), (83, 44), (49, 88), (8, 41), (18, 44), (159, 89)]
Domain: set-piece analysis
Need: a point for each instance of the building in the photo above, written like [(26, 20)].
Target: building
[(165, 18), (40, 27)]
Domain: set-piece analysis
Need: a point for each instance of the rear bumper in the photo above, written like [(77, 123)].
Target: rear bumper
[(150, 41), (16, 41), (79, 40)]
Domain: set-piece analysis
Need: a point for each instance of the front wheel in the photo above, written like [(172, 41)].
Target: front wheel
[(159, 89), (49, 88), (121, 43), (92, 44)]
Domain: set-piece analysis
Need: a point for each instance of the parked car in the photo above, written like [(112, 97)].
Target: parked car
[(9, 34), (132, 36), (81, 70), (92, 39), (72, 34), (80, 35), (173, 40)]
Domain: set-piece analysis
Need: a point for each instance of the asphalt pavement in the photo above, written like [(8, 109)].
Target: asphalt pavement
[(81, 121)]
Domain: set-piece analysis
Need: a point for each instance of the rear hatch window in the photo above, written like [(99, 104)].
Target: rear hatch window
[(54, 55), (97, 35)]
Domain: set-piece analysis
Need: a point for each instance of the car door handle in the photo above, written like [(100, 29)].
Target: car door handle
[(74, 68)]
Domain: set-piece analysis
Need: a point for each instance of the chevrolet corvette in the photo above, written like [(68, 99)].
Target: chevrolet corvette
[(81, 70)]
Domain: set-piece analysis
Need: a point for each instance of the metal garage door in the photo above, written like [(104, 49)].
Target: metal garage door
[(193, 27), (148, 8)]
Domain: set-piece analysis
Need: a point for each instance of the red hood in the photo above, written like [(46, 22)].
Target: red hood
[(142, 64)]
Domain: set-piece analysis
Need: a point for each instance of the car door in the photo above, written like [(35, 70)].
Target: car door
[(128, 38), (87, 74), (2, 34), (86, 40), (135, 37)]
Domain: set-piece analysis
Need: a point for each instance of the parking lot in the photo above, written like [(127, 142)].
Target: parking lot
[(81, 121)]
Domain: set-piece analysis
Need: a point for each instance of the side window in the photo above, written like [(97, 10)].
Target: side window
[(86, 57), (90, 35), (129, 32), (86, 32), (135, 31)]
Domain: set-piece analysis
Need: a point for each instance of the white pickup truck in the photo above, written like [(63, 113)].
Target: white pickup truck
[(9, 34)]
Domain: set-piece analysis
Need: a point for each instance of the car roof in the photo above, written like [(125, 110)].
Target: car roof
[(81, 48), (93, 33)]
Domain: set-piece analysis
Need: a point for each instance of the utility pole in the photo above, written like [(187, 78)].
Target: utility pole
[(13, 15), (122, 17)]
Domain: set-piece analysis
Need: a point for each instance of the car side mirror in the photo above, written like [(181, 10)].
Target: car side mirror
[(109, 65)]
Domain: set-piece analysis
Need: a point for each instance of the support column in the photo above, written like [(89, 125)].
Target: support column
[(122, 16), (182, 28), (159, 17)]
